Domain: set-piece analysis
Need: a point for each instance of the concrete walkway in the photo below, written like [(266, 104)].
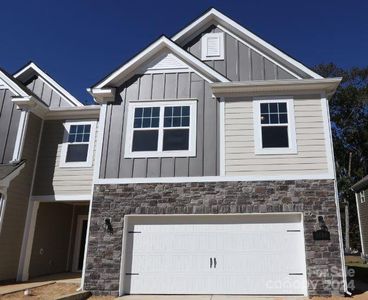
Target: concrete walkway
[(206, 297), (40, 281)]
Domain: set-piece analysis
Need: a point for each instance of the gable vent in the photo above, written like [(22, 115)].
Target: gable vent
[(213, 46)]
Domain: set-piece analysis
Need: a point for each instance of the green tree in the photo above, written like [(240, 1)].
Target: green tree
[(349, 122)]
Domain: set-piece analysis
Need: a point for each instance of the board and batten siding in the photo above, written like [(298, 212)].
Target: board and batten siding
[(17, 203), (240, 157), (162, 86), (49, 96), (241, 63), (51, 179), (363, 220), (9, 122)]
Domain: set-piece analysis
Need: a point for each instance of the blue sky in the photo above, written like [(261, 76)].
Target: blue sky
[(80, 41)]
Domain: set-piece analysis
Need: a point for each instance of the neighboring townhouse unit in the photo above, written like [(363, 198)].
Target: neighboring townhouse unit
[(214, 171), (361, 195), (47, 145)]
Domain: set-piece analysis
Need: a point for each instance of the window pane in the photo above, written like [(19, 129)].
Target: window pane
[(86, 138), (147, 112), (73, 129), (87, 128), (168, 111), (177, 110), (138, 112), (156, 112), (264, 107), (273, 107), (80, 128), (176, 122), (282, 107), (176, 139), (274, 118), (145, 140), (185, 121), (167, 122), (137, 123), (79, 138), (265, 119), (146, 122), (283, 118), (185, 111), (77, 153), (155, 122), (275, 137), (71, 138)]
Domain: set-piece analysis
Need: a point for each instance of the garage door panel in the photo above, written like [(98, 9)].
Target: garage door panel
[(251, 257)]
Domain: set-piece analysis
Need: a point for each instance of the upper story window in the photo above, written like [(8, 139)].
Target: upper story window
[(161, 129), (77, 148), (274, 126), (362, 196), (213, 46)]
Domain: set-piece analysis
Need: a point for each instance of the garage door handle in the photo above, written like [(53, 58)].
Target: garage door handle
[(210, 262), (215, 262)]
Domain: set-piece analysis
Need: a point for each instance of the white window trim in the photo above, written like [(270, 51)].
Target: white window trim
[(362, 197), (64, 148), (128, 153), (220, 36), (292, 149)]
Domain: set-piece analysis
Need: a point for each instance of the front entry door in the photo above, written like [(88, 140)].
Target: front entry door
[(80, 243)]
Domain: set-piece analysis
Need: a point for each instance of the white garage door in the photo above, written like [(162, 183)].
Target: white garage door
[(254, 254)]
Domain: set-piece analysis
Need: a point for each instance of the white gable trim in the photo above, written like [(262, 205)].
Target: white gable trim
[(213, 14), (151, 50), (51, 83), (8, 83)]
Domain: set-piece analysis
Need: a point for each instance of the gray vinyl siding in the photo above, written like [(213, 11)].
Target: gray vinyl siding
[(9, 122), (158, 87), (51, 179), (241, 63), (363, 219), (46, 94), (240, 157), (16, 204)]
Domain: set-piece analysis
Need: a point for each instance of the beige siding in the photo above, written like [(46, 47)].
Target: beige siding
[(16, 205), (51, 179), (363, 219), (240, 157)]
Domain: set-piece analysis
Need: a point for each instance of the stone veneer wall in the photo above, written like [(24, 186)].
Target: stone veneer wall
[(312, 197)]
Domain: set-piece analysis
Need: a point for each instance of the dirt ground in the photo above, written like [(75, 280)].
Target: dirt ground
[(50, 291)]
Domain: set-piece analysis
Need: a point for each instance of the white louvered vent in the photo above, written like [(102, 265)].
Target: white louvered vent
[(213, 46), (165, 62)]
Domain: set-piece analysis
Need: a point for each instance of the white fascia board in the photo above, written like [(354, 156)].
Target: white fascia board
[(75, 112), (328, 85), (102, 96), (220, 18), (12, 86), (151, 50), (53, 84)]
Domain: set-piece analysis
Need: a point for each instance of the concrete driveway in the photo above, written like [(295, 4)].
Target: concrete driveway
[(207, 297)]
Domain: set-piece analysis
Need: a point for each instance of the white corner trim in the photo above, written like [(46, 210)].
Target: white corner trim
[(61, 198), (223, 20), (29, 227), (51, 83), (258, 51), (364, 251), (222, 147), (328, 134), (4, 183), (257, 128), (128, 153), (91, 144), (21, 134), (315, 176), (99, 141), (161, 43)]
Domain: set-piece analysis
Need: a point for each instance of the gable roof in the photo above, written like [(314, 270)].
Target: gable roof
[(31, 68), (360, 185), (213, 16), (16, 87), (162, 43)]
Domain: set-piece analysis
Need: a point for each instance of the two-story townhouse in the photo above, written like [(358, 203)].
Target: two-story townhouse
[(214, 171), (47, 153), (361, 195)]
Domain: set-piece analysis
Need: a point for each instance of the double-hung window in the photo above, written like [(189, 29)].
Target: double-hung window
[(274, 126), (161, 129), (77, 148)]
